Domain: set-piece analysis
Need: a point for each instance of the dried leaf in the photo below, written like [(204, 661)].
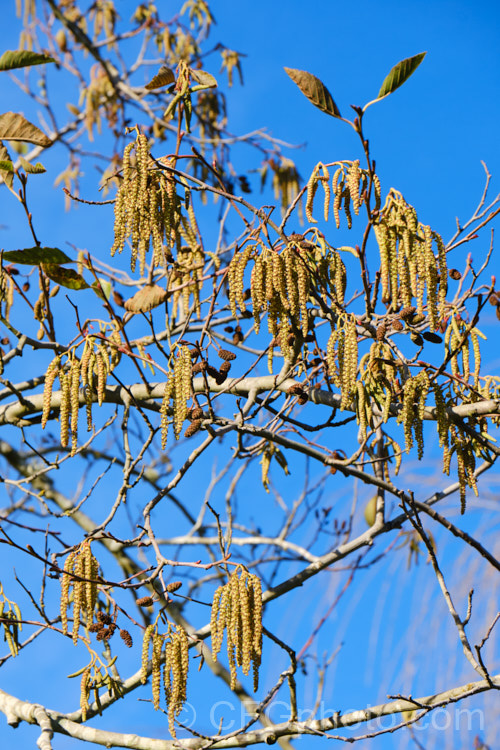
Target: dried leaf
[(400, 73), (146, 299), (315, 90), (14, 127), (164, 77), (22, 59), (203, 78)]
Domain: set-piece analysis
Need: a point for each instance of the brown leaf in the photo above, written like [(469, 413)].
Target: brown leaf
[(164, 77), (203, 78), (315, 90), (146, 299), (14, 127)]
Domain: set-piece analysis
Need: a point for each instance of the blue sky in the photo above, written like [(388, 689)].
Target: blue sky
[(428, 138)]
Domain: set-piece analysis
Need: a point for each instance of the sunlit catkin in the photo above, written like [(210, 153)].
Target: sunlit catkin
[(64, 412), (65, 584), (75, 401), (50, 376), (78, 596), (148, 634), (85, 683), (175, 672), (237, 611), (156, 662), (80, 571)]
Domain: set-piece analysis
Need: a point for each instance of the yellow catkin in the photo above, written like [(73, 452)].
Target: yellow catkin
[(477, 356), (156, 669), (240, 272), (231, 281), (279, 279), (91, 567), (78, 596), (257, 290), (443, 273), (331, 358), (382, 236), (246, 624), (303, 281), (84, 693), (431, 279), (409, 267), (353, 180), (148, 633), (328, 195), (164, 409), (215, 622), (101, 376), (175, 673), (237, 610), (182, 388), (312, 186), (255, 589), (465, 361), (80, 562), (90, 369), (50, 376), (64, 412), (347, 353), (337, 188), (235, 634), (361, 408), (65, 584), (393, 265), (75, 402)]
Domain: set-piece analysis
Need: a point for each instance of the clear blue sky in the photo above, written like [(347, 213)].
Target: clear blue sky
[(428, 139)]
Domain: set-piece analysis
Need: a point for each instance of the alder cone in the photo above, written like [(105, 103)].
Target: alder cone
[(226, 355), (174, 586), (145, 601), (126, 638), (193, 428)]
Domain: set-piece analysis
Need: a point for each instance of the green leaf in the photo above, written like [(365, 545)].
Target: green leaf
[(104, 290), (164, 77), (400, 73), (203, 78), (64, 276), (22, 59), (31, 168), (14, 127), (315, 90), (33, 256), (6, 165)]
